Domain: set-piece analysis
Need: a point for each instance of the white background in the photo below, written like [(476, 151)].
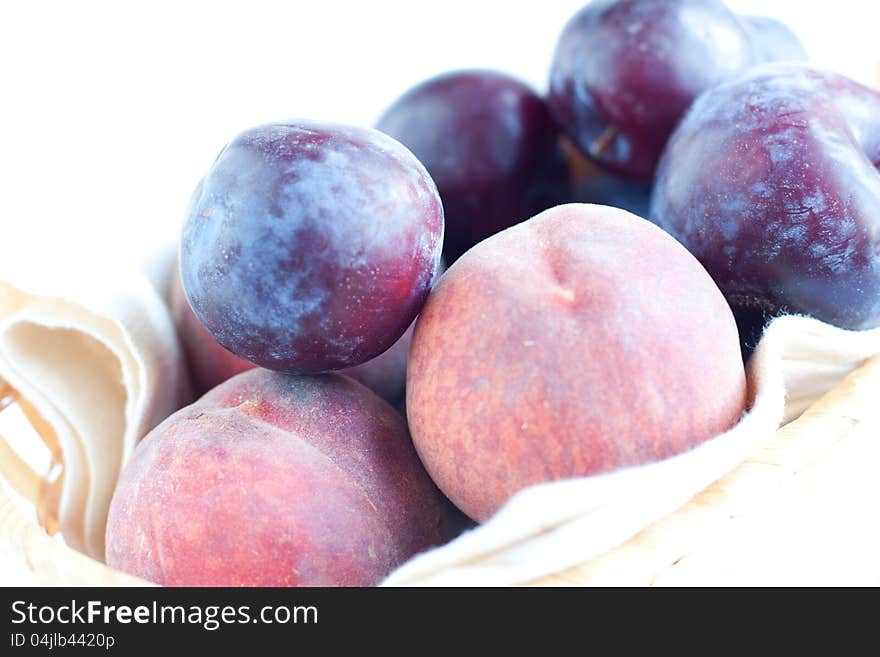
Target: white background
[(111, 111)]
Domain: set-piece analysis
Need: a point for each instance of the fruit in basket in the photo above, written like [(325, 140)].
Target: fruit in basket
[(490, 145), (310, 246), (578, 342), (625, 71), (275, 480), (771, 181), (209, 364)]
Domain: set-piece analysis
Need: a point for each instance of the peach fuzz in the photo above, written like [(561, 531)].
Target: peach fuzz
[(274, 480), (578, 342)]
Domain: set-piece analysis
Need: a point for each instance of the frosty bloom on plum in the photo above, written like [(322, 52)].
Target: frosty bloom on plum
[(311, 247)]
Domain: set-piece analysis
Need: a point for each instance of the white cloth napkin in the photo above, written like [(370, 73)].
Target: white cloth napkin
[(551, 527), (87, 341)]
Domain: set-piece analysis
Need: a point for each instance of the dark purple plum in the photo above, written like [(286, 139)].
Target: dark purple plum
[(209, 364), (625, 71), (311, 247), (491, 146), (771, 181)]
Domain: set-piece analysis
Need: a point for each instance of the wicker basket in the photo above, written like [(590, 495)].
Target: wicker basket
[(801, 511)]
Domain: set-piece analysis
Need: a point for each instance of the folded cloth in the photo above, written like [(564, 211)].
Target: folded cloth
[(551, 527), (89, 353)]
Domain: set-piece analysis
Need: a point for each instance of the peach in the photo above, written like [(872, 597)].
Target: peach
[(211, 364), (275, 480), (578, 342)]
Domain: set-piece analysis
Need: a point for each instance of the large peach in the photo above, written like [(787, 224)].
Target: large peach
[(274, 480), (578, 342)]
